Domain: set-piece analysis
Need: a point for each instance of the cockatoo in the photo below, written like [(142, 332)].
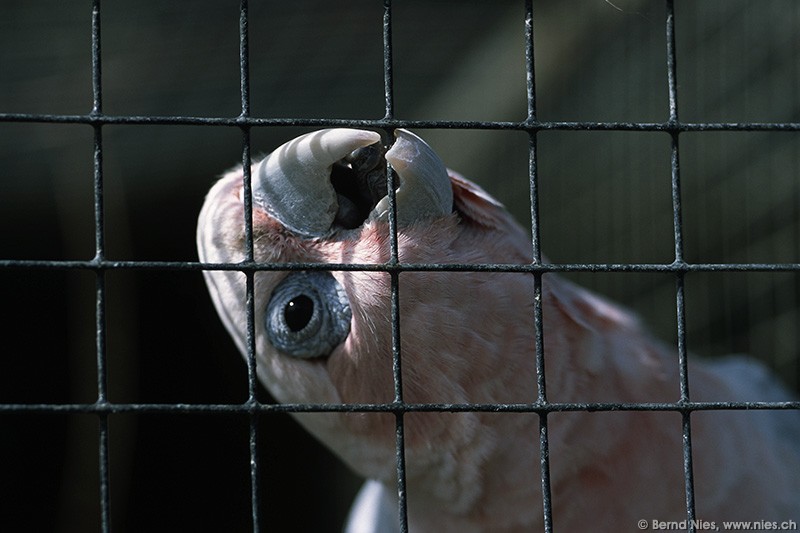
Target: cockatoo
[(324, 337)]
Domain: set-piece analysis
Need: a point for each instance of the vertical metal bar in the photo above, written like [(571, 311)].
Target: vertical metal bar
[(388, 72), (247, 199), (252, 376), (102, 380), (544, 446), (100, 285), (97, 93), (688, 469), (99, 211), (397, 369), (532, 159), (244, 58), (530, 75), (686, 428), (672, 76), (250, 338), (400, 446)]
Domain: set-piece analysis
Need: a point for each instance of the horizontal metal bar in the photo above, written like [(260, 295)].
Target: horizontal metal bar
[(384, 123), (395, 407), (544, 268)]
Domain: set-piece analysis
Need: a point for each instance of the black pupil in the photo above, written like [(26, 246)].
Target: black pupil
[(298, 312)]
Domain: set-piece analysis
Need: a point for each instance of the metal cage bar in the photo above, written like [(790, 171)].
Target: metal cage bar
[(680, 308), (252, 378), (538, 324), (397, 366), (100, 285), (252, 408)]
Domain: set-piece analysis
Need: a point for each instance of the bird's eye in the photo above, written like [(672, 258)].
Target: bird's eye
[(308, 315)]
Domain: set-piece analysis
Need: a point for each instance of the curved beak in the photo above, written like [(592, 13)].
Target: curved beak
[(293, 184)]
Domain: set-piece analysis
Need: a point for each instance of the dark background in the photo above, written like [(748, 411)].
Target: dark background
[(605, 197)]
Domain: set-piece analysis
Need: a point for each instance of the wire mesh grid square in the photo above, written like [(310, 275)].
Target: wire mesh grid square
[(254, 410)]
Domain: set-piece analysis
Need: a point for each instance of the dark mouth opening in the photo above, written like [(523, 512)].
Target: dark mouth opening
[(360, 183)]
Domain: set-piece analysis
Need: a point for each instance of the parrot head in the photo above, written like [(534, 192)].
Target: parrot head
[(325, 336)]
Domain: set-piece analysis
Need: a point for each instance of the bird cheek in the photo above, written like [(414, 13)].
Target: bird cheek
[(361, 376), (293, 380)]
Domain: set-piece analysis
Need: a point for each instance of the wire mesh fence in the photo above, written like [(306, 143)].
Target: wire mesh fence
[(254, 416)]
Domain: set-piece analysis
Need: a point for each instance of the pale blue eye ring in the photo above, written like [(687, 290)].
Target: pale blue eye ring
[(308, 315)]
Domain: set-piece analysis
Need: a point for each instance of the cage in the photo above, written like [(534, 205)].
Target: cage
[(664, 167)]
